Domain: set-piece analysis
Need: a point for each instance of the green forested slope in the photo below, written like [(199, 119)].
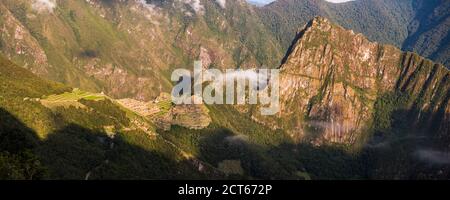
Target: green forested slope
[(128, 48), (95, 140), (429, 30), (380, 20), (413, 25)]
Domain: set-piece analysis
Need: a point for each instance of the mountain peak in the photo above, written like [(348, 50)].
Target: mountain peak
[(320, 19), (317, 24), (338, 78), (317, 21), (323, 24)]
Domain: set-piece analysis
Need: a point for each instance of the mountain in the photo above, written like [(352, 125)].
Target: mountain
[(338, 120), (339, 85), (51, 131), (351, 108), (413, 25), (339, 88), (123, 47), (364, 16)]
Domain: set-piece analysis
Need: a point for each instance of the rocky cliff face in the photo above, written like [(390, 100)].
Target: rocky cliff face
[(338, 86)]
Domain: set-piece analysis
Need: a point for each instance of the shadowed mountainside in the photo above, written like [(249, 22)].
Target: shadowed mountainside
[(79, 139)]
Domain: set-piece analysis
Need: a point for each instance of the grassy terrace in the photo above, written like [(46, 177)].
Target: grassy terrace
[(68, 99), (76, 95)]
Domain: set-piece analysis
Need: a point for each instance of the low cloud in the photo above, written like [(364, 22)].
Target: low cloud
[(338, 1), (195, 5), (237, 139), (434, 157), (146, 5), (222, 3), (44, 5)]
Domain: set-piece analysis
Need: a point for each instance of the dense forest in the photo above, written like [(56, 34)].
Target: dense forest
[(414, 25)]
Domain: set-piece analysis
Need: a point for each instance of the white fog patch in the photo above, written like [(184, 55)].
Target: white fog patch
[(338, 1), (388, 144), (222, 3), (432, 156), (44, 5), (195, 5), (239, 87), (237, 139), (148, 6)]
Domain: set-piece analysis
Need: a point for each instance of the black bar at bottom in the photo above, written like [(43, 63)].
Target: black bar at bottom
[(236, 190)]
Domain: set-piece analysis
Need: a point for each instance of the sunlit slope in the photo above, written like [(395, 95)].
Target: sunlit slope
[(66, 133)]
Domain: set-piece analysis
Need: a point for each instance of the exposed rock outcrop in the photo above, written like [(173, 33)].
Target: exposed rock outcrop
[(333, 79)]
